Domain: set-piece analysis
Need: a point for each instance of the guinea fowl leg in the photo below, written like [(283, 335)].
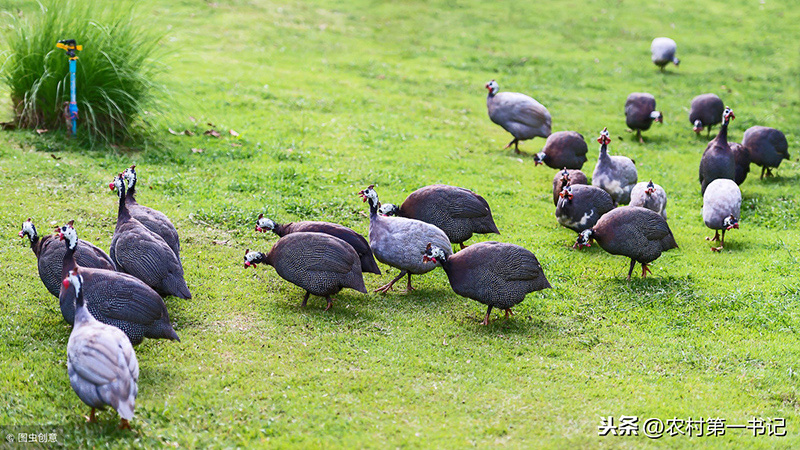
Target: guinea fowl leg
[(305, 300), (124, 425), (769, 172), (715, 238), (515, 142), (639, 135), (509, 312), (763, 169), (630, 271), (91, 418), (721, 243), (388, 287), (645, 271), (330, 302), (486, 319), (409, 288), (462, 245)]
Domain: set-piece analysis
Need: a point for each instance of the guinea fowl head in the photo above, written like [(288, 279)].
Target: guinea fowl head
[(698, 126), (67, 233), (369, 194), (566, 193), (388, 210), (538, 159), (264, 224), (130, 176), (605, 137), (252, 259), (434, 254), (75, 280), (117, 184), (28, 229), (676, 61), (584, 238), (730, 222), (493, 87), (650, 188), (727, 116), (564, 176), (657, 116)]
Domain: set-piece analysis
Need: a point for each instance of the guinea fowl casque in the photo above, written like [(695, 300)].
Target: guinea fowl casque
[(566, 178), (581, 206), (563, 149), (741, 157), (317, 262), (614, 174), (101, 363), (496, 274), (153, 220), (520, 115), (662, 51), (640, 112), (632, 231), (722, 204), (358, 242), (115, 298), (50, 256), (767, 148), (457, 211), (651, 196), (144, 254), (718, 160), (706, 111), (399, 242)]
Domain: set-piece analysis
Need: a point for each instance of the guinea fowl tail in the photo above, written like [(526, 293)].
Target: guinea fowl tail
[(357, 282), (177, 287), (368, 264)]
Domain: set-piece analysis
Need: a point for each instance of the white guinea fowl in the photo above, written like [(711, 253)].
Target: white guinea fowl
[(614, 174), (722, 203), (101, 363), (663, 51), (519, 114), (651, 196)]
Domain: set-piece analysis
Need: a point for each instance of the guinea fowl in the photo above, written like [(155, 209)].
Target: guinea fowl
[(651, 196), (520, 115), (115, 298), (496, 274), (50, 256), (640, 112), (566, 178), (457, 211), (580, 207), (101, 363), (663, 51), (320, 263), (359, 244), (741, 156), (563, 149), (144, 254), (632, 231), (718, 160), (767, 147), (152, 219), (722, 204), (614, 174), (706, 111), (399, 242)]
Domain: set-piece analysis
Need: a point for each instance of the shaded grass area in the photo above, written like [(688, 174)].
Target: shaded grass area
[(330, 97)]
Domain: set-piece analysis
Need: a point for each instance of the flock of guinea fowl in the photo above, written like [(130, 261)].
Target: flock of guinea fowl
[(115, 300)]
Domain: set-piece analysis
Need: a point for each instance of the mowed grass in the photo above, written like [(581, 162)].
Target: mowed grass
[(328, 97)]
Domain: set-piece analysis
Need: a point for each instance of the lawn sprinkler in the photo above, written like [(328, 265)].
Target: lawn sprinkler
[(71, 114)]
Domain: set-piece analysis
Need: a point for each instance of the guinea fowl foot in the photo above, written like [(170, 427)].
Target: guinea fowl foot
[(91, 418), (716, 249), (645, 271), (124, 424), (388, 287), (486, 319), (409, 288), (330, 302), (461, 244), (715, 238), (305, 300), (509, 312)]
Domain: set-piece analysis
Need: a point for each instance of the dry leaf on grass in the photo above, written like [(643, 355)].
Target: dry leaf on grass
[(197, 150)]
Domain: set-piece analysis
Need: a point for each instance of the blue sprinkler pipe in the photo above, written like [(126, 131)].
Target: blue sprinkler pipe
[(70, 47)]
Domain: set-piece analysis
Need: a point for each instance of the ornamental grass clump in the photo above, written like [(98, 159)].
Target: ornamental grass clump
[(115, 71)]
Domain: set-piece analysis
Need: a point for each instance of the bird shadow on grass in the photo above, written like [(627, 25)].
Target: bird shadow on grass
[(344, 307), (776, 180)]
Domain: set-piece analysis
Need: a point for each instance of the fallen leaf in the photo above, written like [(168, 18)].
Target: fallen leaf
[(214, 133), (173, 132), (215, 242), (234, 133), (188, 133), (55, 157), (42, 131), (197, 150), (210, 124), (235, 144)]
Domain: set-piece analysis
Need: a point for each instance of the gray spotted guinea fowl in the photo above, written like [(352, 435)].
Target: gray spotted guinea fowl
[(651, 196), (662, 52), (563, 149), (101, 363), (144, 254), (614, 174), (564, 178), (153, 220), (722, 205), (399, 242), (50, 251), (580, 206), (319, 263), (640, 112), (767, 148), (457, 211), (718, 160), (519, 114), (357, 241), (632, 231), (705, 112), (741, 157), (496, 274), (115, 298)]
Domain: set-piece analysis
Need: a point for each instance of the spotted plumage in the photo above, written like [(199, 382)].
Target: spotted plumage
[(705, 112), (519, 114), (767, 148), (722, 203), (663, 50), (718, 160), (614, 174), (651, 196), (580, 206), (564, 178), (741, 157), (563, 149), (640, 112)]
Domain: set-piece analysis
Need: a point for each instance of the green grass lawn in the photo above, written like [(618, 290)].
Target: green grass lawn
[(330, 96)]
